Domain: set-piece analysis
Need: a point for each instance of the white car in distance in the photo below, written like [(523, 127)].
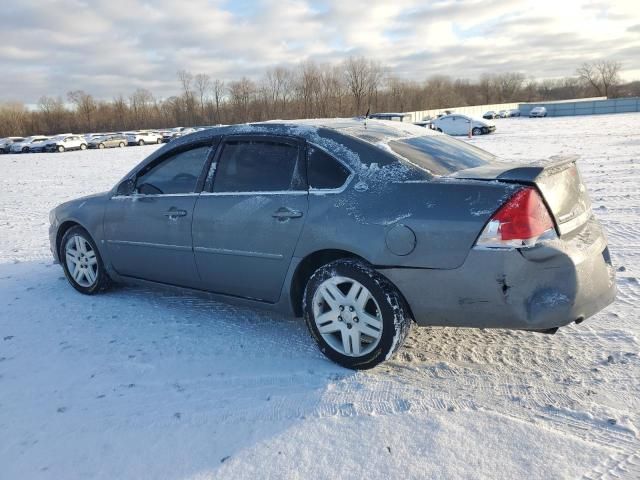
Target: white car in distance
[(143, 138), (458, 124), (62, 143)]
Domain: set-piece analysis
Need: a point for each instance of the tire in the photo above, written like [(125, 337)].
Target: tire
[(121, 145), (141, 143), (159, 141), (60, 149), (101, 146), (25, 149), (86, 283), (477, 131), (83, 146), (345, 338)]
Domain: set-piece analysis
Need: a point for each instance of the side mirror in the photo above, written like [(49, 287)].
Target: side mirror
[(127, 187)]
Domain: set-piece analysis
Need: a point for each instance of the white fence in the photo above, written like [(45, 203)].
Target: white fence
[(580, 106), (473, 111)]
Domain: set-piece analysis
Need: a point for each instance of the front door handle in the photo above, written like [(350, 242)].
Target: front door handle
[(173, 213), (283, 213)]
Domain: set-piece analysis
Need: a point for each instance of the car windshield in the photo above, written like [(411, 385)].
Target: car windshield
[(441, 154)]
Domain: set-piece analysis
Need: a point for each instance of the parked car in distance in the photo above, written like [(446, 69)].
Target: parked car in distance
[(538, 112), (490, 115), (27, 143), (64, 143), (424, 123), (5, 143), (458, 124), (176, 132), (109, 141), (41, 146), (432, 230), (504, 113), (514, 112), (393, 117), (143, 138)]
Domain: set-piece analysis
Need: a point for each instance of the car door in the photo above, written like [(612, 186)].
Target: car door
[(148, 233), (247, 224)]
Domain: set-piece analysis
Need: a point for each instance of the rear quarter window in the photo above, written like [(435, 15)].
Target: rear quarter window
[(323, 171)]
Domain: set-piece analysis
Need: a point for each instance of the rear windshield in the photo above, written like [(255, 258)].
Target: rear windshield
[(440, 154)]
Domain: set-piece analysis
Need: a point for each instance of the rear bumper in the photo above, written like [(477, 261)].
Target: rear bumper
[(540, 288)]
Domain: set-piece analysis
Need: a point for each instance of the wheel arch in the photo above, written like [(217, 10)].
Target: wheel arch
[(307, 266), (62, 229)]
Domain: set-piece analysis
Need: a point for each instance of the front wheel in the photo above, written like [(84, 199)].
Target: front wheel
[(82, 263), (121, 145), (355, 315), (476, 131), (83, 146), (61, 149), (141, 142), (101, 146), (159, 141)]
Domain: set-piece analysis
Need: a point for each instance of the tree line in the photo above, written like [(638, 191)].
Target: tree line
[(308, 90)]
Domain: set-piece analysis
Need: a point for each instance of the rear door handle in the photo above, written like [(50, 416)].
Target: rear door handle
[(284, 213), (175, 213)]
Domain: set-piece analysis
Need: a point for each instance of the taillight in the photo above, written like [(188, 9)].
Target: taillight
[(521, 222)]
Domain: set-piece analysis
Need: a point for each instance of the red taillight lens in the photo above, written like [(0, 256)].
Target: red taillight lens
[(518, 223)]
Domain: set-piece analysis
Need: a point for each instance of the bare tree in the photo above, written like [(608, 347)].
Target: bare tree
[(356, 71), (186, 82), (53, 113), (603, 75), (218, 96), (242, 92), (509, 85), (85, 106), (203, 84)]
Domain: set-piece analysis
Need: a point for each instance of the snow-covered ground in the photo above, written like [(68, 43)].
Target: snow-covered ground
[(139, 383)]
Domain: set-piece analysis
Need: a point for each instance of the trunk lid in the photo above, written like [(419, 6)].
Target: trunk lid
[(558, 181)]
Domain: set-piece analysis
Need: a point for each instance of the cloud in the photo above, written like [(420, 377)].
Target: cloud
[(111, 47)]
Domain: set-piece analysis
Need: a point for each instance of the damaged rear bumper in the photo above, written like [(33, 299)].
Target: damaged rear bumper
[(539, 288)]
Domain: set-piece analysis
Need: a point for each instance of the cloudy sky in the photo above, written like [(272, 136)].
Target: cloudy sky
[(108, 47)]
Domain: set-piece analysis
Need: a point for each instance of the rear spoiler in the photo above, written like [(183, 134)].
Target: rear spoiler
[(540, 169), (527, 173)]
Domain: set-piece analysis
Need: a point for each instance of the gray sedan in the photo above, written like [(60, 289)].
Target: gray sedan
[(361, 227)]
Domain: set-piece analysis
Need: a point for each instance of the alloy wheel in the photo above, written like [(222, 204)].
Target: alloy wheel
[(347, 316), (81, 261)]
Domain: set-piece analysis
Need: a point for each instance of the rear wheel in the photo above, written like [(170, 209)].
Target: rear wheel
[(83, 146), (141, 142), (101, 146), (355, 315), (159, 141), (82, 263), (60, 149), (121, 145)]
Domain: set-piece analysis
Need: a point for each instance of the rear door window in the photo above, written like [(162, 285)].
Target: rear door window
[(258, 165)]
